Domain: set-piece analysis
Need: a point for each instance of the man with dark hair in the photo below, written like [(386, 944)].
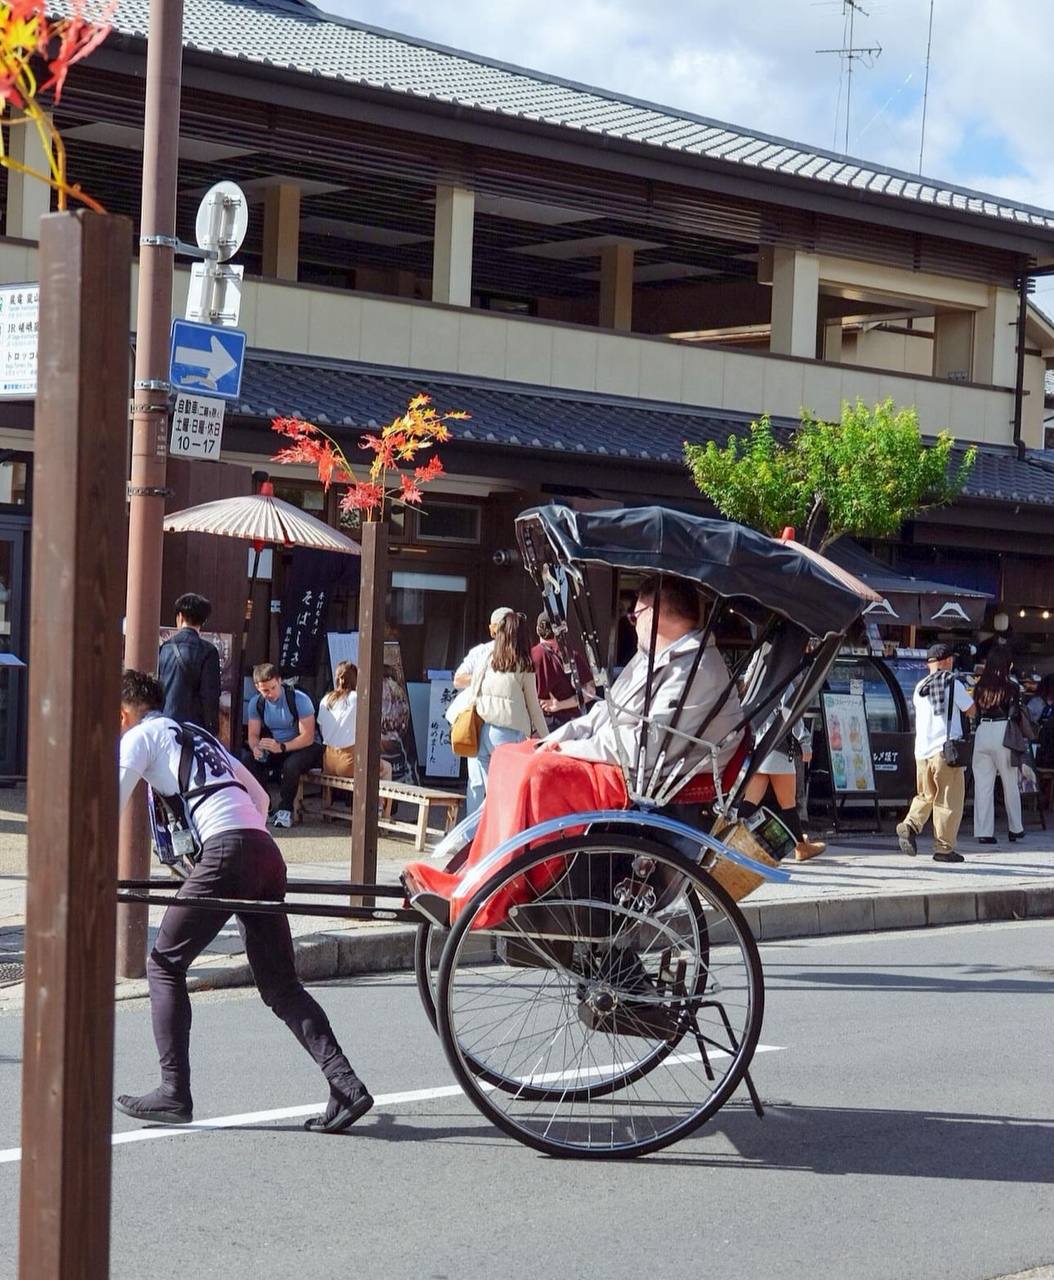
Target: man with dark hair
[(189, 667), (557, 691), (226, 809), (283, 738)]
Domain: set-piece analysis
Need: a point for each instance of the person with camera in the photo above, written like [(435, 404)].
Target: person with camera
[(940, 700), (223, 809)]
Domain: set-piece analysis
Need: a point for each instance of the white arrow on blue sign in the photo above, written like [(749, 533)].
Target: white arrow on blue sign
[(204, 357)]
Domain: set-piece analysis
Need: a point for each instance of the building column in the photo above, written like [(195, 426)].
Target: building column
[(616, 287), (28, 199), (953, 345), (832, 341), (281, 232), (995, 339), (452, 248), (795, 299)]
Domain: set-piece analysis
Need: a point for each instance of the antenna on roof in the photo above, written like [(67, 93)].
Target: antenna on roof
[(926, 89), (850, 52)]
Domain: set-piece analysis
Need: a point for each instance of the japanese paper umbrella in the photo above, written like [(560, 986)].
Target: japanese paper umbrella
[(263, 520)]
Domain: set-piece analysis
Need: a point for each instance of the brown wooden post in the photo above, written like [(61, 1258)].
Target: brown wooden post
[(74, 695), (373, 591)]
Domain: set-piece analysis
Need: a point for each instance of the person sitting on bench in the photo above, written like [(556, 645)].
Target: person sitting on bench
[(283, 739)]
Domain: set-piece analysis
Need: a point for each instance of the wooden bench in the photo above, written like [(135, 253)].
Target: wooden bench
[(391, 793)]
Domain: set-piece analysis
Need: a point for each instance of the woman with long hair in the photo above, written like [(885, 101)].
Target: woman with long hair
[(336, 722), (506, 698), (996, 696)]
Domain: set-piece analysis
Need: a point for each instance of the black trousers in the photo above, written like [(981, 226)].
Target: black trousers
[(286, 770), (236, 864)]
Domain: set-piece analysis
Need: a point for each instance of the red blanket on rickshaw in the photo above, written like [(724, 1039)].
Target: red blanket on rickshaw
[(525, 786)]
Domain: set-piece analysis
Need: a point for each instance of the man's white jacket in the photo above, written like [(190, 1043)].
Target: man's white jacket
[(594, 736)]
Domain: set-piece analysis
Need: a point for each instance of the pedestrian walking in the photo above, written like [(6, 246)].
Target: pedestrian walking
[(997, 697), (478, 654), (506, 698), (189, 667), (557, 692), (283, 738), (224, 809), (940, 701)]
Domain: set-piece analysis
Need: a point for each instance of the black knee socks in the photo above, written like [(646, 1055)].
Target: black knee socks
[(792, 822)]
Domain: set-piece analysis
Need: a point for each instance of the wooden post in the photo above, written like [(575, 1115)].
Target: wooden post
[(74, 695), (373, 591)]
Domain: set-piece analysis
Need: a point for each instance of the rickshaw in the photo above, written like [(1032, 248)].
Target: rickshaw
[(598, 992)]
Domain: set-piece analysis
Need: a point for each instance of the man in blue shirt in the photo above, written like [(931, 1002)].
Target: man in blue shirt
[(283, 739)]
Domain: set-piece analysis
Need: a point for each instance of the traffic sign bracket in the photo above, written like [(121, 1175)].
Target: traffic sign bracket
[(180, 246)]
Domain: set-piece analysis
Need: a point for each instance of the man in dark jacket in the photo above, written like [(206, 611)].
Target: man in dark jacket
[(189, 667)]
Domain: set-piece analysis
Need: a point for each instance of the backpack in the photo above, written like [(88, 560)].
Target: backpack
[(174, 836)]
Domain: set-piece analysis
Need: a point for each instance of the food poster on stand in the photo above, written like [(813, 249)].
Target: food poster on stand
[(848, 743), (224, 642), (397, 736)]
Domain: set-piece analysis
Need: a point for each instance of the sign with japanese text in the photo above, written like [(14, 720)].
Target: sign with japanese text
[(440, 761), (19, 323), (197, 427), (848, 743)]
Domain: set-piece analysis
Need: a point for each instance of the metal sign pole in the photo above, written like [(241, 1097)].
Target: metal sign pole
[(147, 490)]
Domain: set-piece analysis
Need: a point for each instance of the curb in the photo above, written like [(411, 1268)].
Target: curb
[(390, 948)]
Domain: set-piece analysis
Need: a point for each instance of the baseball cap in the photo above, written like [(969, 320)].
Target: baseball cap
[(938, 652), (502, 611)]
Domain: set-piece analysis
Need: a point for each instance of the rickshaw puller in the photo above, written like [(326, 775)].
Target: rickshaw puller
[(227, 808)]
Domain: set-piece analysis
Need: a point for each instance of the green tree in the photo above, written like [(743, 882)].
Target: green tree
[(864, 474)]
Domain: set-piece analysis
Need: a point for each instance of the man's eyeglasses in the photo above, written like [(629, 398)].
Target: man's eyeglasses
[(637, 613)]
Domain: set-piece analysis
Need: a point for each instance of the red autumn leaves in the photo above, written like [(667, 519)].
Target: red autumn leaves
[(396, 470)]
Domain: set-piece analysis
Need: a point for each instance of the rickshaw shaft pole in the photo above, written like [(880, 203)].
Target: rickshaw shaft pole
[(334, 888), (236, 906)]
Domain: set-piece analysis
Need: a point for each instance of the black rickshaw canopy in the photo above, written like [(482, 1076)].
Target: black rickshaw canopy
[(726, 559)]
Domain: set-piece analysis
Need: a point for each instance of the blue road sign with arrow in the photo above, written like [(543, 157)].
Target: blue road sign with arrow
[(206, 358)]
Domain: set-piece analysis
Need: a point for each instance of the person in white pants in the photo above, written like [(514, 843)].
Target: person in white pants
[(996, 695)]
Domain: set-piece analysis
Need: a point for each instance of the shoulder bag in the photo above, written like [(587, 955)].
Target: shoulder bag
[(465, 730), (957, 752), (1019, 732)]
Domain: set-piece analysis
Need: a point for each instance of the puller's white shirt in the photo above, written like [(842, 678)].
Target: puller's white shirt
[(150, 751)]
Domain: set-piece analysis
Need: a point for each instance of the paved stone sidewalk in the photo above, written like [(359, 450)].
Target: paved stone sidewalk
[(862, 883)]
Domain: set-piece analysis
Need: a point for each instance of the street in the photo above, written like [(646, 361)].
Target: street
[(908, 1137)]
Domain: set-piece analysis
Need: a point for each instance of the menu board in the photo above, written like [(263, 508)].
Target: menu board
[(848, 744)]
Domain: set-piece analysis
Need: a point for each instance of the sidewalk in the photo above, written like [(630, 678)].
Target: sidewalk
[(863, 883)]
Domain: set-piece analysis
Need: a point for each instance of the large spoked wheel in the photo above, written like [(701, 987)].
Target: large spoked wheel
[(624, 1004)]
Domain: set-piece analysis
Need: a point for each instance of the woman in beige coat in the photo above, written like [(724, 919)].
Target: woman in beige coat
[(506, 696)]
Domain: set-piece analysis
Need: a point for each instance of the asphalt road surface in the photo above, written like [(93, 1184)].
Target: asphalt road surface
[(909, 1136)]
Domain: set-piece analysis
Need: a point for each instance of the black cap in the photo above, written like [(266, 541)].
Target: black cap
[(938, 652)]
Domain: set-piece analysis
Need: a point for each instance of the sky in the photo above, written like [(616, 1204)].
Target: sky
[(989, 114)]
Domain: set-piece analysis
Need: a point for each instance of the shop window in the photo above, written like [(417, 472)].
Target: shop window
[(14, 482), (508, 304), (448, 522), (308, 497)]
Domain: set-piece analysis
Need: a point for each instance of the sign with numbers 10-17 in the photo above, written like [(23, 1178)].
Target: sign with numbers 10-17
[(197, 427)]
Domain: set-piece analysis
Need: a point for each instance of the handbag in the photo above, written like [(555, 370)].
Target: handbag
[(957, 752), (1019, 731), (468, 724)]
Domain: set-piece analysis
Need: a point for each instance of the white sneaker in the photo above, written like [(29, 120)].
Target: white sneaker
[(283, 818)]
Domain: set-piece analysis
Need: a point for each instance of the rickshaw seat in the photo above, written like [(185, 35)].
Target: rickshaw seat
[(701, 789)]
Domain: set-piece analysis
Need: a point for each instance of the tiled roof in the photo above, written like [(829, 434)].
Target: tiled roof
[(513, 415), (298, 37)]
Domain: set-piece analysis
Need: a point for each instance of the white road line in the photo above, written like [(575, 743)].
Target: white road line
[(14, 1154)]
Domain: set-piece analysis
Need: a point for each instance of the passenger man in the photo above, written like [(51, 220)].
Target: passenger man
[(189, 667), (283, 739), (940, 787), (226, 809)]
